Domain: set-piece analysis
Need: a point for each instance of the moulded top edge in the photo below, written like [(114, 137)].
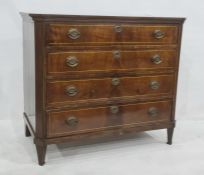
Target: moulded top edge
[(62, 17)]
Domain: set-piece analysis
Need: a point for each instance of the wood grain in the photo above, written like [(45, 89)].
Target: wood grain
[(46, 47), (101, 118), (103, 88), (105, 61), (95, 33)]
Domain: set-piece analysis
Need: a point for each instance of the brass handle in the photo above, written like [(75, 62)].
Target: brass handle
[(114, 109), (153, 112), (72, 121), (118, 28), (156, 59), (154, 85), (72, 61), (73, 33), (158, 34), (71, 91), (116, 54), (115, 81)]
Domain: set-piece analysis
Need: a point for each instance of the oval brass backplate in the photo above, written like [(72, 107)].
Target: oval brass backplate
[(153, 111), (73, 33), (72, 61), (156, 59), (158, 34), (154, 85), (72, 121), (71, 91)]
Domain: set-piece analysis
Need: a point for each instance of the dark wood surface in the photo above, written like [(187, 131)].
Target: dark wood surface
[(102, 118), (103, 88), (98, 61), (46, 76), (93, 34)]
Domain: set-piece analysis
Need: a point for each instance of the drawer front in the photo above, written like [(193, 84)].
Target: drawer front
[(108, 34), (65, 91), (86, 120), (102, 61)]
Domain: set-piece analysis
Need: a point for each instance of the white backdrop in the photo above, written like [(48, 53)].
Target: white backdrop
[(190, 103)]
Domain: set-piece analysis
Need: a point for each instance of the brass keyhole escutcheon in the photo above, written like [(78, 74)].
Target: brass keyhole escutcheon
[(116, 54), (118, 28), (114, 109), (115, 81)]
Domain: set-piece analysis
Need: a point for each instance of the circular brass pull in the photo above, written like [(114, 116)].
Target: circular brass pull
[(72, 121), (118, 28), (158, 34), (156, 59), (71, 91), (73, 33), (115, 81), (154, 85), (72, 61), (153, 112), (116, 54), (114, 109)]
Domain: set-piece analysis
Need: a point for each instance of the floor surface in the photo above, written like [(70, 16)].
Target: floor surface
[(144, 154)]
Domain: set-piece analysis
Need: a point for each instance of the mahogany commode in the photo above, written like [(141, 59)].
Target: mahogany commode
[(91, 77)]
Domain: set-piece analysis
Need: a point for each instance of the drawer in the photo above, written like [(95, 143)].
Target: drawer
[(65, 91), (87, 120), (102, 61), (111, 33)]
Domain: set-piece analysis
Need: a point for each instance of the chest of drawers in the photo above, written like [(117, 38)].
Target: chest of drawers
[(92, 77)]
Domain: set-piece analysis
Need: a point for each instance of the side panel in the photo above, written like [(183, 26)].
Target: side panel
[(29, 69), (40, 70)]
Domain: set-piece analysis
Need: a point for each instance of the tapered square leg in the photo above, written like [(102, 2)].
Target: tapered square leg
[(27, 132), (170, 132), (41, 152)]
